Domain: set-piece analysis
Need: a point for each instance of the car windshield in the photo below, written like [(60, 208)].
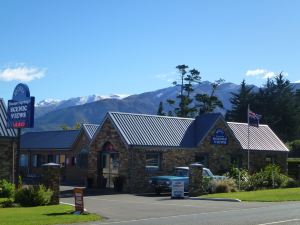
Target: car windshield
[(181, 172), (207, 173)]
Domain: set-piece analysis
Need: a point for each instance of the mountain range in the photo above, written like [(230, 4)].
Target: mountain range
[(51, 114)]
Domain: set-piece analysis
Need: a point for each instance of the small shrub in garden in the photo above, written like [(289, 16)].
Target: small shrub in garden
[(224, 186), (33, 196), (7, 203), (7, 189)]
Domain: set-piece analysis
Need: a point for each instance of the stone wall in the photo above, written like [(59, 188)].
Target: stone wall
[(108, 134), (7, 147)]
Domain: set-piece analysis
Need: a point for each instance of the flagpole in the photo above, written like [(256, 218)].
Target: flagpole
[(248, 139)]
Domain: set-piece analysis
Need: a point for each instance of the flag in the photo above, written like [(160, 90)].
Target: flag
[(253, 118)]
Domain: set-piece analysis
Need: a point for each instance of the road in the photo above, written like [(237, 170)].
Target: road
[(151, 210)]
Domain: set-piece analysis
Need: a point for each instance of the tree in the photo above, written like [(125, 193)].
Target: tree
[(160, 110), (240, 101), (77, 126), (276, 103), (187, 79), (207, 103)]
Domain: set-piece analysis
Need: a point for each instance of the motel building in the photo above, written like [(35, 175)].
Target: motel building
[(126, 149), (7, 146)]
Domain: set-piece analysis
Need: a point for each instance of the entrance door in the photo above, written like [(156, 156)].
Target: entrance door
[(109, 168)]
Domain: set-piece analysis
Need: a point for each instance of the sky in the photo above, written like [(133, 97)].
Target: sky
[(70, 48)]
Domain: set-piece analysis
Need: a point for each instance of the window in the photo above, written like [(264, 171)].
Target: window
[(270, 159), (153, 160), (24, 160), (50, 159), (82, 159), (38, 160)]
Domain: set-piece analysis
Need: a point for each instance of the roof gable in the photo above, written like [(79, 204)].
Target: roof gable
[(5, 132), (62, 139), (90, 129), (261, 138)]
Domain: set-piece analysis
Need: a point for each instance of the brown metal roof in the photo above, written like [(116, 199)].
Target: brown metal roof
[(260, 138)]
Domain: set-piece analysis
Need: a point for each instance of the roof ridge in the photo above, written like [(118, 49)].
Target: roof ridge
[(247, 123), (48, 131), (149, 115)]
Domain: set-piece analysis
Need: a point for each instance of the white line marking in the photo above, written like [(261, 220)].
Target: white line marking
[(65, 203), (283, 221)]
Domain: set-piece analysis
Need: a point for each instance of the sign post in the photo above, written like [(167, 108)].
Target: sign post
[(177, 189), (78, 195), (20, 114)]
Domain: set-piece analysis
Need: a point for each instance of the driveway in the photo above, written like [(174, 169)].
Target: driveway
[(129, 209)]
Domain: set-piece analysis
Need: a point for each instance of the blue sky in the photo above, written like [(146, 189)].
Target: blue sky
[(64, 49)]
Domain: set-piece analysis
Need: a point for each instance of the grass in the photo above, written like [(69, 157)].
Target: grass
[(43, 215), (273, 195)]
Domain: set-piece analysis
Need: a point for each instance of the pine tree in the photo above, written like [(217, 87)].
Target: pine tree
[(207, 103), (240, 101), (185, 99), (160, 110)]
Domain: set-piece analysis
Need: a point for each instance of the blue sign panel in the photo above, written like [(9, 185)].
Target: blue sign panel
[(20, 110), (219, 137)]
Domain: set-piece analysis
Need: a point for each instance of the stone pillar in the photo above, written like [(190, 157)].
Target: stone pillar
[(50, 178), (195, 180)]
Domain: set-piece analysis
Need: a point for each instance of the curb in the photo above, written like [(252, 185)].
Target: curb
[(217, 199)]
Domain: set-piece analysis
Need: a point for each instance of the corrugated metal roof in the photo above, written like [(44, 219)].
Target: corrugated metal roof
[(90, 129), (151, 130), (260, 138), (62, 139), (5, 132)]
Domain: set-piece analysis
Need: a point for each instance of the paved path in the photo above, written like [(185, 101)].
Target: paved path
[(132, 209)]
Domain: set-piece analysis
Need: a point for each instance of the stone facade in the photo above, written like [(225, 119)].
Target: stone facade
[(219, 158), (7, 147), (51, 178)]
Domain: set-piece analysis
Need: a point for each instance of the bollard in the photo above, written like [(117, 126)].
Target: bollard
[(195, 180), (50, 178)]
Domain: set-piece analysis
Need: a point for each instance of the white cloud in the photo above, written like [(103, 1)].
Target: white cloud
[(297, 81), (261, 73), (21, 73)]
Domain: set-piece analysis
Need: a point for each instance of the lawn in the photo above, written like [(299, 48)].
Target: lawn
[(42, 215), (274, 195)]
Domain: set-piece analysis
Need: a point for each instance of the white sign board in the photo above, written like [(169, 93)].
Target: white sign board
[(178, 189)]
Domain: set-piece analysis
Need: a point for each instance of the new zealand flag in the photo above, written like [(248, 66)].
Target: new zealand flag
[(253, 119)]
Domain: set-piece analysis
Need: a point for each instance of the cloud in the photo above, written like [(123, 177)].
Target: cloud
[(297, 81), (262, 73), (21, 73)]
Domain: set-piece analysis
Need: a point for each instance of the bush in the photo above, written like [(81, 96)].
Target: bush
[(7, 189), (7, 203), (270, 177), (33, 196), (223, 186)]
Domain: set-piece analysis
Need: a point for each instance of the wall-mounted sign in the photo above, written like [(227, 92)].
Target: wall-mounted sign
[(219, 137), (20, 110)]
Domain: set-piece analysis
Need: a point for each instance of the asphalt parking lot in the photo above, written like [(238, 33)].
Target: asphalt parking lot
[(119, 208)]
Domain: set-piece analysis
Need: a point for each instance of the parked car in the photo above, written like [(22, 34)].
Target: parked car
[(164, 183)]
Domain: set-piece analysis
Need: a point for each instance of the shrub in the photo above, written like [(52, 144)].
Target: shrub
[(269, 177), (7, 203), (223, 186), (33, 196), (7, 189)]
